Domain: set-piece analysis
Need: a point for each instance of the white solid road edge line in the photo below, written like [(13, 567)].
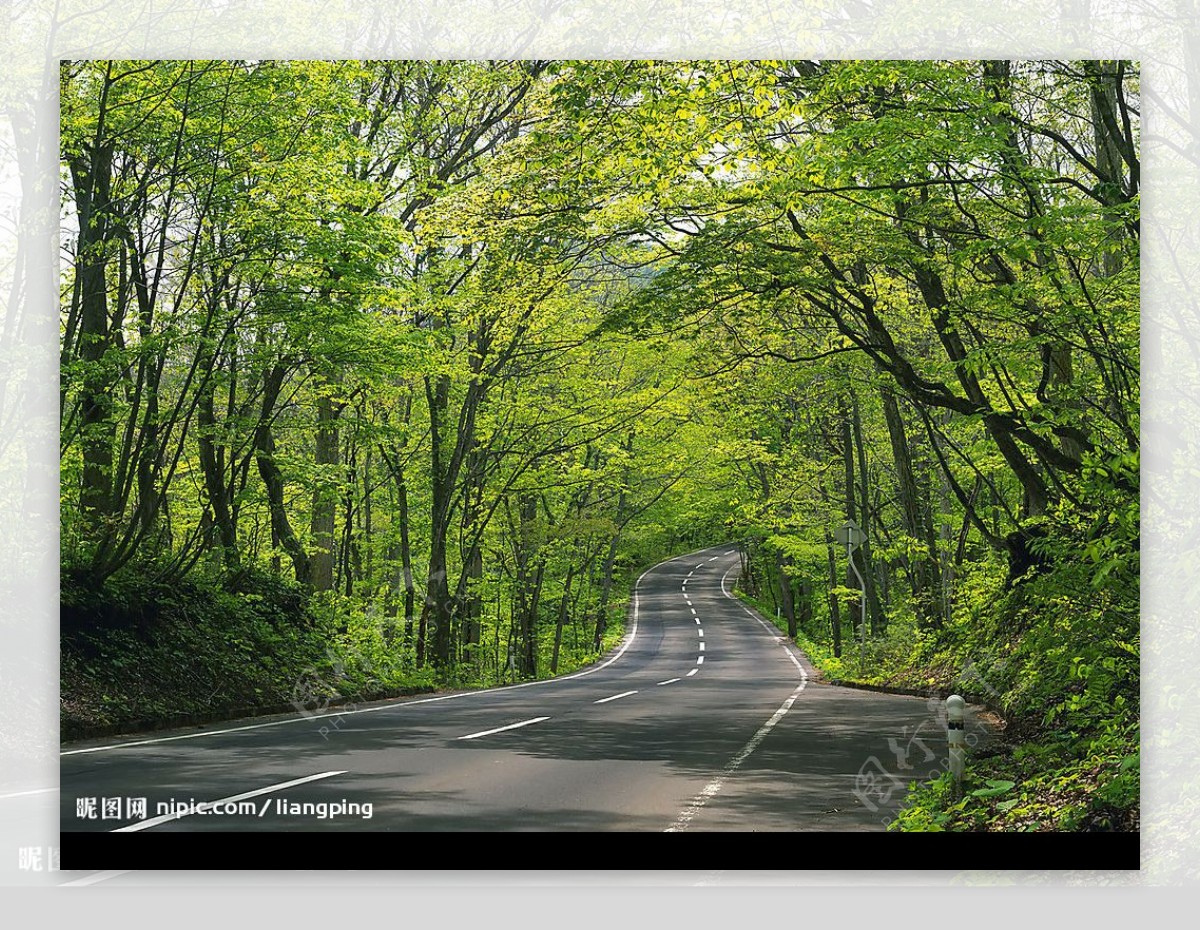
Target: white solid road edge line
[(511, 726), (208, 805), (614, 697), (783, 642)]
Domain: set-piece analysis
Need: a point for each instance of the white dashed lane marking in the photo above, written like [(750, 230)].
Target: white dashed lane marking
[(511, 726), (614, 697)]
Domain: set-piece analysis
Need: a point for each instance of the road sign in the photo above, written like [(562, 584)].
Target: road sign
[(850, 534)]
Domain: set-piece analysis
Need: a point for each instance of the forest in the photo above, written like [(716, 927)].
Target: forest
[(387, 376)]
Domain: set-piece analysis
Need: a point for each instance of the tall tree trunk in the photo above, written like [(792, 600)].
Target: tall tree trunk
[(918, 522), (434, 635), (531, 569), (368, 529), (472, 622), (264, 446), (212, 464), (854, 609), (433, 631), (403, 583), (472, 600), (92, 180), (610, 557), (326, 456), (945, 531), (786, 597), (866, 560), (606, 585), (1036, 495), (406, 566), (563, 606), (835, 611)]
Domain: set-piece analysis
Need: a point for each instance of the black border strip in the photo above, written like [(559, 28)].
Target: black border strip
[(347, 850)]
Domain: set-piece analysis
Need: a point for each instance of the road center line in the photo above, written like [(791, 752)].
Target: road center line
[(692, 672), (697, 619), (615, 697), (693, 611), (209, 805), (669, 681), (702, 647), (511, 726), (713, 787), (701, 632), (699, 660)]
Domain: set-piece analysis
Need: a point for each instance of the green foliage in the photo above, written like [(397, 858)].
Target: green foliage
[(162, 653), (1051, 784)]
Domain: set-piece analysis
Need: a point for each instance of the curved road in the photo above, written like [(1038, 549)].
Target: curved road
[(705, 719)]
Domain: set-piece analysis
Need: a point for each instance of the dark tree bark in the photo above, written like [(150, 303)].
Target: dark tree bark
[(272, 477), (917, 519), (326, 456), (212, 464), (561, 620), (91, 176), (866, 561), (787, 598)]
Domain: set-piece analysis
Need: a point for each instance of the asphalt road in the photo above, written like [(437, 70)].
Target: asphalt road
[(704, 720)]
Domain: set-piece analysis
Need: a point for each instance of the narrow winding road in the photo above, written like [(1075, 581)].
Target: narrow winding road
[(705, 720)]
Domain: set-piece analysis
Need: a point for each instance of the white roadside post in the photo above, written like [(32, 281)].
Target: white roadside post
[(956, 736), (851, 535)]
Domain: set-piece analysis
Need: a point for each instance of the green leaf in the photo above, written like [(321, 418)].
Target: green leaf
[(996, 787)]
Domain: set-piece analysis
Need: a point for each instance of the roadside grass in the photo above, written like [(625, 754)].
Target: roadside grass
[(138, 656)]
